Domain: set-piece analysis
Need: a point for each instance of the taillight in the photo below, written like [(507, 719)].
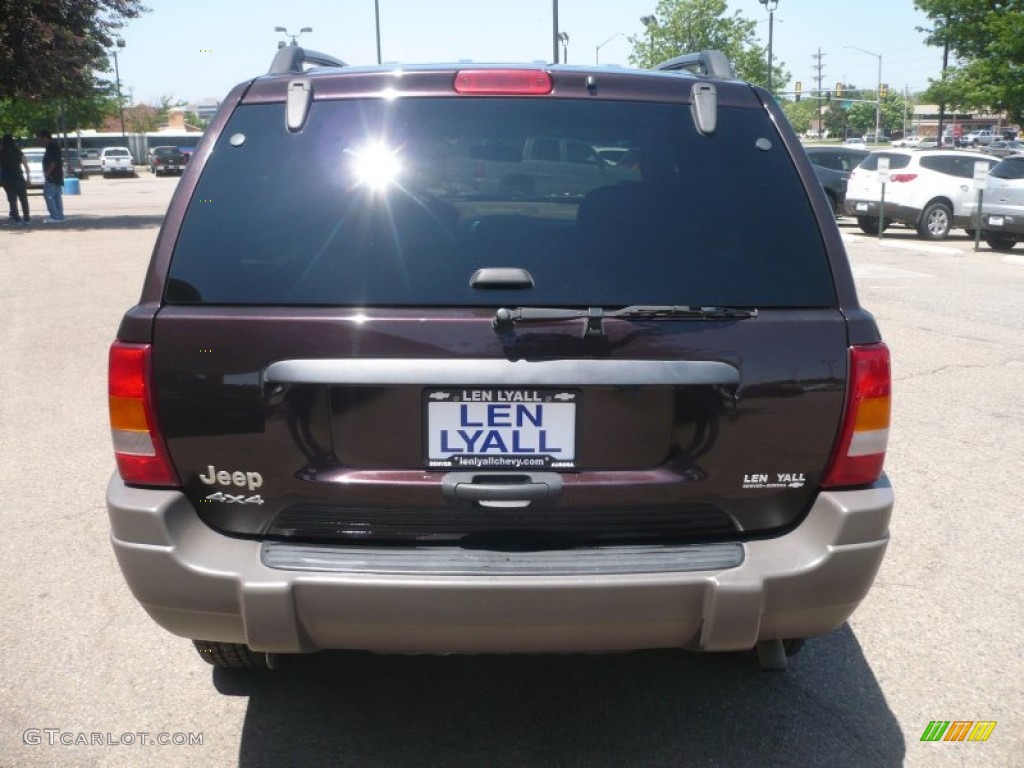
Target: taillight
[(902, 177), (138, 445), (503, 82), (859, 452)]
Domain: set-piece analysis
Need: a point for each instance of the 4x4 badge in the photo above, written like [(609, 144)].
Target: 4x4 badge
[(230, 498)]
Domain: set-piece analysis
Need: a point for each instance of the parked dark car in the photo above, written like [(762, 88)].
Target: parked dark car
[(166, 160), (833, 165), (369, 399), (73, 164)]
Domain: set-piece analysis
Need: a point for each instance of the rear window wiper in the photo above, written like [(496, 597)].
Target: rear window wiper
[(506, 319)]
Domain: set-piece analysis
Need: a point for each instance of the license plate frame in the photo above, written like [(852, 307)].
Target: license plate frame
[(494, 428)]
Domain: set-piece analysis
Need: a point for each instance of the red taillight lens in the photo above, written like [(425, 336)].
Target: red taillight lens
[(902, 178), (138, 446), (859, 452), (503, 82)]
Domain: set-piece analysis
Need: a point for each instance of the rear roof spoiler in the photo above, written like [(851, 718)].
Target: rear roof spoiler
[(291, 58), (709, 63)]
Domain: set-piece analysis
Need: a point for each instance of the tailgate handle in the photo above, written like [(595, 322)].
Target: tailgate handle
[(493, 489)]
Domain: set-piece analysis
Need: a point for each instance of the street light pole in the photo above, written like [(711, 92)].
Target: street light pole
[(117, 77), (770, 5), (878, 93), (554, 31), (597, 50), (649, 22), (296, 36), (376, 16)]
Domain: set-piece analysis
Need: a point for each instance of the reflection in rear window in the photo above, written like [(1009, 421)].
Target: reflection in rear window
[(1009, 169), (398, 203), (895, 161)]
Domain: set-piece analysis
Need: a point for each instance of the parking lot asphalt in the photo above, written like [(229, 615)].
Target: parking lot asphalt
[(938, 637)]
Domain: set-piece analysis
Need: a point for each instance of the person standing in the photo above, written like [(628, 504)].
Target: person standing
[(53, 171), (12, 161)]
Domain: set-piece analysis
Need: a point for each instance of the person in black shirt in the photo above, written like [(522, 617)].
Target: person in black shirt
[(53, 170), (12, 161)]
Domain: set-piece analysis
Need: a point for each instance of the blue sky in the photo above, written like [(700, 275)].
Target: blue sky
[(195, 49)]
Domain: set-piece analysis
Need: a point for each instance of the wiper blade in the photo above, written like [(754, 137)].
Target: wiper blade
[(682, 311), (506, 319)]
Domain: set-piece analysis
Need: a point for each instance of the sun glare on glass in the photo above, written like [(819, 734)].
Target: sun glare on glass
[(376, 166)]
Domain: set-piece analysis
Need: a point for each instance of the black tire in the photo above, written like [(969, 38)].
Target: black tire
[(1000, 241), (935, 222), (868, 225), (230, 655), (793, 646)]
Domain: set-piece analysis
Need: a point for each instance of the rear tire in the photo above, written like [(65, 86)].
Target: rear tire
[(999, 241), (231, 655), (868, 225), (774, 655), (936, 221)]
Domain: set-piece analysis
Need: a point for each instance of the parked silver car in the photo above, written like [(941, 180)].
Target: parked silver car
[(1002, 207), (36, 177)]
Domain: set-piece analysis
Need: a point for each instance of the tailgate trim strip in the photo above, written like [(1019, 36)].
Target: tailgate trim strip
[(455, 561), (490, 372)]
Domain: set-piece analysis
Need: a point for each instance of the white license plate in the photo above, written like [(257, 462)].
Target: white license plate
[(501, 428), (995, 221), (862, 206)]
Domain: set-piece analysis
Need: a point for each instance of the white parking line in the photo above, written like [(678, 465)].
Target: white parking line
[(880, 271), (906, 246)]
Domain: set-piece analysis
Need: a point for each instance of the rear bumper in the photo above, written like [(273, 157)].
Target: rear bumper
[(200, 584), (872, 208), (1010, 223)]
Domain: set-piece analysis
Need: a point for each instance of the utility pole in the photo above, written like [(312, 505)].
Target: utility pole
[(554, 31), (942, 107), (819, 73)]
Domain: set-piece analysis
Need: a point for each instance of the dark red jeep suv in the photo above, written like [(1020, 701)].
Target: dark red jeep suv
[(416, 368)]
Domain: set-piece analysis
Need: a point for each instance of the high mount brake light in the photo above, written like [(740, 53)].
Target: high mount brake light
[(138, 445), (859, 451), (503, 82)]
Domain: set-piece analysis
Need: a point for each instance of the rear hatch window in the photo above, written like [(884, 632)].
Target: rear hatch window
[(398, 203)]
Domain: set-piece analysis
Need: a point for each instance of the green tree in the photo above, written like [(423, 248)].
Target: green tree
[(688, 26), (23, 117), (802, 114), (986, 40), (51, 49)]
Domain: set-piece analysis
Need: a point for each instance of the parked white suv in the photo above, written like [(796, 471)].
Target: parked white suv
[(926, 189), (116, 160)]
